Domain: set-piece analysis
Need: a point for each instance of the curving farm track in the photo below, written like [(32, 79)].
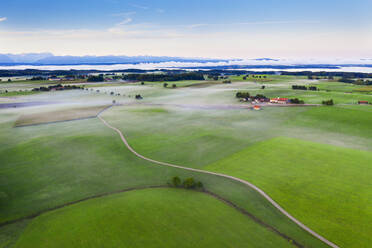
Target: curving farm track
[(252, 186)]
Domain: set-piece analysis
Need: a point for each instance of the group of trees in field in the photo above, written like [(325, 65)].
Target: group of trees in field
[(328, 74), (164, 77), (355, 81), (58, 87), (242, 95), (188, 183), (296, 101), (165, 85), (328, 102), (302, 87), (98, 78), (254, 76), (227, 82), (247, 96)]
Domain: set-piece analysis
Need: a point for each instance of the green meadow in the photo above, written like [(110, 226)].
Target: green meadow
[(148, 218), (314, 161)]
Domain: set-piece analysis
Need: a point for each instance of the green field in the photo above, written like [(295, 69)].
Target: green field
[(313, 181), (149, 218), (314, 161)]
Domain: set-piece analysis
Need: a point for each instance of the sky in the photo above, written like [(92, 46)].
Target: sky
[(189, 28)]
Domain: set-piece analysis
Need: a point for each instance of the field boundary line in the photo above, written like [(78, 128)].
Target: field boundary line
[(252, 186)]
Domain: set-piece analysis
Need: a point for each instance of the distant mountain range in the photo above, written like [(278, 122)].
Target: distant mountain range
[(50, 59)]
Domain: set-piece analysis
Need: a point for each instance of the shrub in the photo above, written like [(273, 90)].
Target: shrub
[(328, 102), (199, 185), (296, 101), (165, 85), (189, 183), (174, 86), (176, 181)]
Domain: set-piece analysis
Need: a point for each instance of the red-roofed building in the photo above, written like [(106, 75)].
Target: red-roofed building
[(279, 100), (363, 102)]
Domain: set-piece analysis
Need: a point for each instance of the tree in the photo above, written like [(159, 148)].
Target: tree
[(174, 86), (227, 82), (95, 78), (165, 85), (176, 181), (263, 87), (189, 183), (199, 185), (9, 80), (142, 83), (328, 102)]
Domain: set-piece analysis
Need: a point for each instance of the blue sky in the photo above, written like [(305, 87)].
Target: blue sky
[(197, 28)]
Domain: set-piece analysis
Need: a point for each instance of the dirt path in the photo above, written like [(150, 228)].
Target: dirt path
[(252, 186)]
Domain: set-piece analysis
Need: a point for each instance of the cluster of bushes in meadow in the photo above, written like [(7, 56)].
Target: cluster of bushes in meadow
[(328, 102), (188, 183), (165, 85), (164, 77), (302, 87)]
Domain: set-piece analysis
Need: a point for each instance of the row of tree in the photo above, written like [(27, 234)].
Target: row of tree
[(58, 87), (302, 87), (164, 77)]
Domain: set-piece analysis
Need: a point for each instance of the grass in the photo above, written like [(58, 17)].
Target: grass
[(316, 183), (355, 121), (50, 165), (366, 89), (18, 93), (58, 116), (149, 218)]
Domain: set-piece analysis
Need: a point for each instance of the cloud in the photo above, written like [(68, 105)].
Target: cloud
[(275, 22), (160, 10), (139, 6), (198, 25), (2, 19), (131, 13), (125, 21)]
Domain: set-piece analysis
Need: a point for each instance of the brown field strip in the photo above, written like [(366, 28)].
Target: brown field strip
[(59, 116)]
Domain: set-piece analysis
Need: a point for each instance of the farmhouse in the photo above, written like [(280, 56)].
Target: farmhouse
[(279, 100), (362, 102)]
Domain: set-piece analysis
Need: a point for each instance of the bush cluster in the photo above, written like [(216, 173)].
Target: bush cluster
[(188, 183)]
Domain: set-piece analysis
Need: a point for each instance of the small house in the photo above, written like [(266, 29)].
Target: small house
[(362, 102), (256, 107)]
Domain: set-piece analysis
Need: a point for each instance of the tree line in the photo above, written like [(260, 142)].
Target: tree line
[(302, 87), (164, 77)]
